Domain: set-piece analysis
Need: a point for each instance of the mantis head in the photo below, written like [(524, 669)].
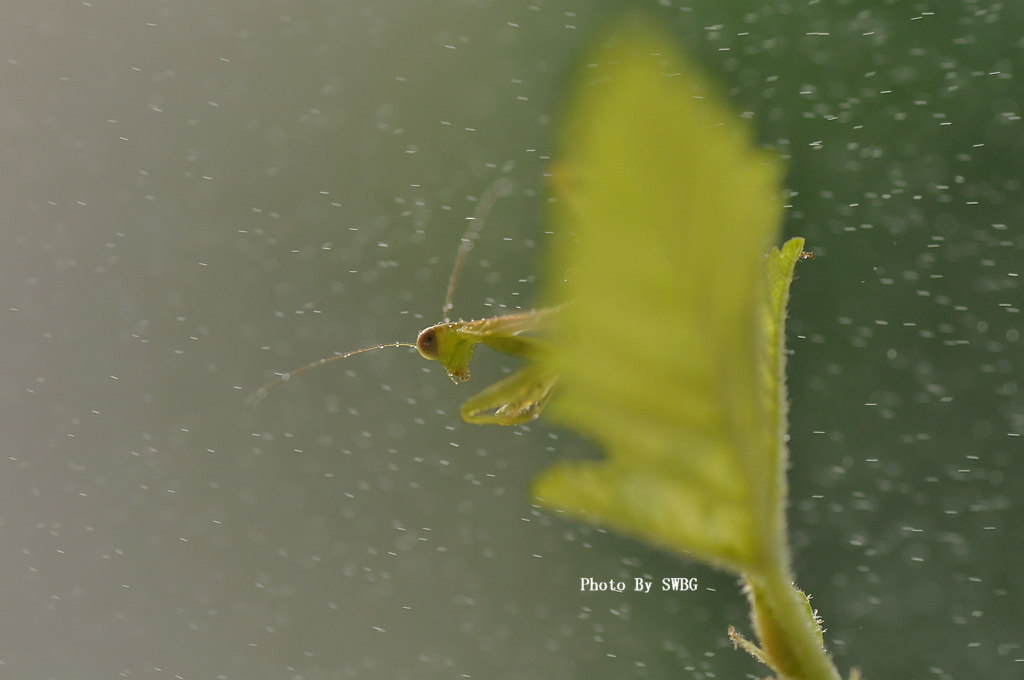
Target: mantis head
[(443, 342)]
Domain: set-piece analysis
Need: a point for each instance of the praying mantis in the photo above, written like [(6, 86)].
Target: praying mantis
[(515, 399)]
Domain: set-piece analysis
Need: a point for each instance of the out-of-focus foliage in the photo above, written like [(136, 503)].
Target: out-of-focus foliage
[(669, 341)]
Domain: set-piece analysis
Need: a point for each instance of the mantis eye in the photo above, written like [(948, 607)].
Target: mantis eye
[(426, 343)]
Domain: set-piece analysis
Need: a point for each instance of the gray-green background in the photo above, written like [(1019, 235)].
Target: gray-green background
[(198, 193)]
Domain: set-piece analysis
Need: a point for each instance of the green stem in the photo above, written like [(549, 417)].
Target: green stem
[(790, 636)]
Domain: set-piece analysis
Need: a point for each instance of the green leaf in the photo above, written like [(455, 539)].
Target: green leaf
[(669, 343)]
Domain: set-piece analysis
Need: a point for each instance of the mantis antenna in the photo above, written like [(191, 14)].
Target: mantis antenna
[(257, 396), (503, 187)]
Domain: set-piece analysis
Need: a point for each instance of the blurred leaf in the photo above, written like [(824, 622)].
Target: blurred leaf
[(669, 344)]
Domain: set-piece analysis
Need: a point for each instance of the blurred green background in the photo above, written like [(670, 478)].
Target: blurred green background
[(197, 194)]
